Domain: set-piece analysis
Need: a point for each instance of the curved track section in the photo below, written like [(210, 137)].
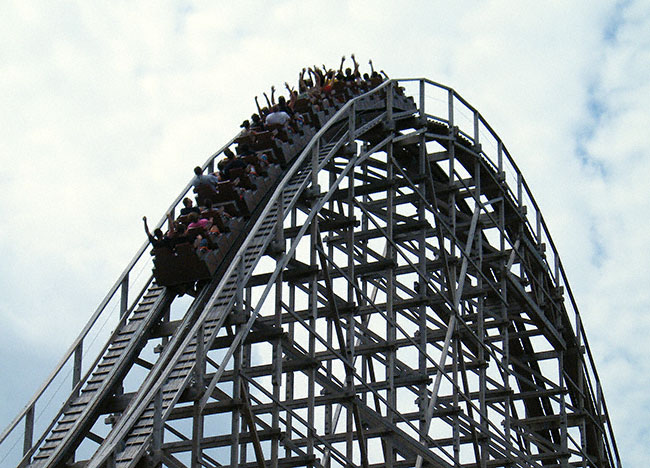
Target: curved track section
[(396, 300)]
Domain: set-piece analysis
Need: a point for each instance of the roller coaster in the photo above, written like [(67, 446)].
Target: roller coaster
[(389, 297)]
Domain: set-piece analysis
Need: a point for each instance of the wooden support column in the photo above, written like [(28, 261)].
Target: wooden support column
[(276, 378), (237, 365), (197, 417), (157, 436), (391, 334), (28, 438), (482, 446), (421, 289), (289, 391), (77, 365), (564, 429), (124, 295), (313, 306)]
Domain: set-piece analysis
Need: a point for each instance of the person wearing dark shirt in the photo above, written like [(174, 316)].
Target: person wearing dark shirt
[(351, 76), (157, 239), (178, 234), (257, 124), (188, 207), (284, 107), (232, 162), (244, 150)]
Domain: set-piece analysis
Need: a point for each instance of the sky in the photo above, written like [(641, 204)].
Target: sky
[(105, 108)]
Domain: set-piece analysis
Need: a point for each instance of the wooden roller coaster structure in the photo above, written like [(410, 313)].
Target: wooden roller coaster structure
[(394, 298)]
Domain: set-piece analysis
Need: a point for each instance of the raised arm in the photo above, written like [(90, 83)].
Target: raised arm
[(372, 69), (146, 228), (257, 104), (356, 67), (318, 72), (170, 225), (268, 103), (316, 77), (302, 87), (383, 73), (342, 62), (272, 95), (293, 97)]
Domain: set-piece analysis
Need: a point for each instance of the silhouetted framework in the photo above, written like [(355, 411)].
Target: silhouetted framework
[(396, 300)]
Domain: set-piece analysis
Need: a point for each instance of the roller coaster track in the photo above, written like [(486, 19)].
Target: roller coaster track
[(395, 300)]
